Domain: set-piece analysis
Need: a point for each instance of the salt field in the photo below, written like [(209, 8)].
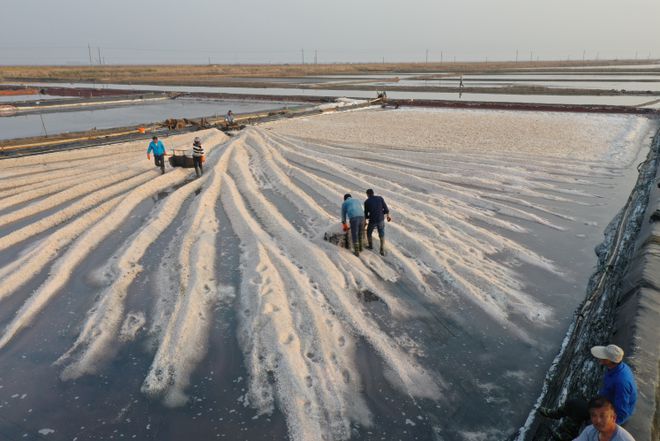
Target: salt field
[(163, 307), (320, 91)]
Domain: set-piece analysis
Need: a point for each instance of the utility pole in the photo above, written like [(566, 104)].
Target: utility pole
[(89, 49), (42, 124), (441, 56), (99, 50), (302, 51), (316, 61), (427, 56), (531, 56)]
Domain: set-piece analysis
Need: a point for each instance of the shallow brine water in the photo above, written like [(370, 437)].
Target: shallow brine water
[(163, 307), (20, 126), (366, 94)]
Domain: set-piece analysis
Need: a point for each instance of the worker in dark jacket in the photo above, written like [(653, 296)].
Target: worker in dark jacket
[(158, 148), (375, 211)]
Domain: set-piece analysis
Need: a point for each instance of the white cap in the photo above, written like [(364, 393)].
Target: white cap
[(612, 353)]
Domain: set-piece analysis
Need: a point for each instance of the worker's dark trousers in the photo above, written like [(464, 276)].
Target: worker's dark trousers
[(159, 160), (199, 170), (376, 225)]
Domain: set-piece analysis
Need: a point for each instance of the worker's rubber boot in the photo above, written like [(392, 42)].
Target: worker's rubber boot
[(382, 246), (356, 249), (360, 243), (370, 244)]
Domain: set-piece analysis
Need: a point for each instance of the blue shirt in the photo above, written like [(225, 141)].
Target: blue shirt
[(375, 209), (619, 387), (157, 147), (351, 208)]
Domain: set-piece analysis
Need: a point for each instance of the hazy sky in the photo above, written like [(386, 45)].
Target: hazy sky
[(276, 31)]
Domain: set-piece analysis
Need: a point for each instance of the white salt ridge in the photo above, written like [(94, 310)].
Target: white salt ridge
[(184, 339), (321, 272), (300, 315), (21, 270), (73, 210), (462, 274), (99, 332), (65, 265), (77, 191), (45, 187), (287, 331), (97, 337)]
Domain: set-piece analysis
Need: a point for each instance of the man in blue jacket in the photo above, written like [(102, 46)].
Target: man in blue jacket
[(158, 148), (375, 210), (618, 383), (618, 387), (352, 209)]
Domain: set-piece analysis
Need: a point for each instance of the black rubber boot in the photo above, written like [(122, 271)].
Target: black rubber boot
[(382, 246), (356, 249)]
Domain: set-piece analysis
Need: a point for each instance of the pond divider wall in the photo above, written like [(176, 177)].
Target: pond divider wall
[(622, 306)]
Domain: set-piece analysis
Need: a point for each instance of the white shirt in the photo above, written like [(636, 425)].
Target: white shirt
[(591, 434)]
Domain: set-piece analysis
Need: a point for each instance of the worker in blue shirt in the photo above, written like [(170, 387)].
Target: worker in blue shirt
[(618, 387), (158, 148), (618, 383), (352, 209)]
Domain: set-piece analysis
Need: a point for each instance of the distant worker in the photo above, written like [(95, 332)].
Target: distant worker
[(460, 82), (158, 148), (375, 210), (352, 208), (618, 387), (229, 119), (603, 423), (198, 156)]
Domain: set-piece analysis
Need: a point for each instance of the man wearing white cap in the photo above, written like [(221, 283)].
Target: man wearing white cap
[(618, 384), (618, 387)]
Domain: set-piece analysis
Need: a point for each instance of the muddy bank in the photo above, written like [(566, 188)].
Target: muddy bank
[(622, 306)]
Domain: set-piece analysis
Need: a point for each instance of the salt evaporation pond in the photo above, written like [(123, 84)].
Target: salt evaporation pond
[(618, 100), (20, 126), (35, 97), (143, 306)]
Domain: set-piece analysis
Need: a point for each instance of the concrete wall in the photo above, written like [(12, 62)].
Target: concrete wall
[(637, 322)]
